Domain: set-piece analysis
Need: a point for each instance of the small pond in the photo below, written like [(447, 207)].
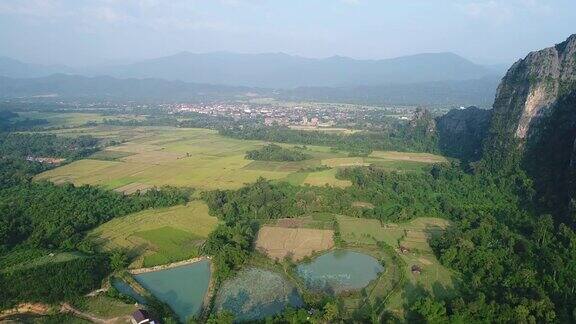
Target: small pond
[(339, 271), (127, 290), (256, 293), (183, 288)]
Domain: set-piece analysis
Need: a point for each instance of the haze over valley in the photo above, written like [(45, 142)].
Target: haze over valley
[(287, 162)]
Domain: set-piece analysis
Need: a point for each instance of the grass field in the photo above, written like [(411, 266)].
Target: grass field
[(169, 245), (157, 236), (200, 158), (296, 243), (72, 119), (332, 130), (414, 236), (46, 258), (105, 307)]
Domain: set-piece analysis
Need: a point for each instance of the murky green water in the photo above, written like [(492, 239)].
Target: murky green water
[(182, 288), (339, 271), (125, 289), (256, 293)]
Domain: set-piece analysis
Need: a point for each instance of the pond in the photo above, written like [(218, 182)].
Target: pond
[(183, 288), (339, 271), (127, 290), (255, 294)]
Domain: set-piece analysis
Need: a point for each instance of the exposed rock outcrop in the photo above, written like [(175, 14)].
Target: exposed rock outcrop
[(461, 132), (534, 122), (531, 89)]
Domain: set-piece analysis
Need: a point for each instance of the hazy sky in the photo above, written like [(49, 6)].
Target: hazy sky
[(80, 32)]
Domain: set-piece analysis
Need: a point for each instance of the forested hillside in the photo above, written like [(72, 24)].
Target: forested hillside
[(42, 253)]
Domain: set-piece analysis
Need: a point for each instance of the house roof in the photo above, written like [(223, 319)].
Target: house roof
[(141, 315)]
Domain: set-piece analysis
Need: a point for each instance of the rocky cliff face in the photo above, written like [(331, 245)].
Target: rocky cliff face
[(461, 132), (531, 88), (534, 121)]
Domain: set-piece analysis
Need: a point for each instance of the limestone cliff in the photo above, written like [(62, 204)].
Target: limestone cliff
[(534, 122), (461, 132), (531, 89)]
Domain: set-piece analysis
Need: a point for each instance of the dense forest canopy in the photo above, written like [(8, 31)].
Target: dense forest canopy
[(43, 145), (40, 219), (10, 121)]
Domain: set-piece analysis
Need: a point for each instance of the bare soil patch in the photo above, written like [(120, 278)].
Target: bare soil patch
[(296, 243), (291, 222)]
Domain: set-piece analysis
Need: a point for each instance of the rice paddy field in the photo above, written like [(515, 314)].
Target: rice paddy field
[(413, 237), (201, 158), (295, 243), (332, 130), (72, 118), (157, 236)]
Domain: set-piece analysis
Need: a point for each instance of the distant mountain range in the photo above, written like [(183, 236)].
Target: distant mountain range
[(106, 87), (441, 78), (17, 69), (285, 71), (479, 92), (274, 70)]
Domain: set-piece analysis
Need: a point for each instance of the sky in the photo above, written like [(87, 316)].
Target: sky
[(88, 32)]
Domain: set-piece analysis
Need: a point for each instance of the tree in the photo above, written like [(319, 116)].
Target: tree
[(118, 260), (430, 310)]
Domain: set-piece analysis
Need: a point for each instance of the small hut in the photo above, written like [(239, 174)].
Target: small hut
[(142, 316), (416, 269)]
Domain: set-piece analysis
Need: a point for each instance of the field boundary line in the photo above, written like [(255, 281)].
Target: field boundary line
[(168, 266)]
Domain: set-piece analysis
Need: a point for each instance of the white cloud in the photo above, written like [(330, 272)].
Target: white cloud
[(503, 11), (497, 12)]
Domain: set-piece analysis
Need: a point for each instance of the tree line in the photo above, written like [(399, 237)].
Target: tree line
[(277, 153)]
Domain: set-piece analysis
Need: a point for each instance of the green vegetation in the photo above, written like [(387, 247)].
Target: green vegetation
[(11, 121), (191, 221), (41, 214), (105, 307), (410, 242), (490, 247), (171, 245), (110, 155), (42, 145), (202, 159), (273, 152), (52, 281), (414, 137), (42, 225)]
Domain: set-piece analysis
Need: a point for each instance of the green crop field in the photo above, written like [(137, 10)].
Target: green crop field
[(170, 245), (106, 307), (72, 119), (414, 236), (157, 236), (203, 159), (38, 258)]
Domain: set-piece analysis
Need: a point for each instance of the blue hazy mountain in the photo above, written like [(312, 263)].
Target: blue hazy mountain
[(275, 70), (280, 70)]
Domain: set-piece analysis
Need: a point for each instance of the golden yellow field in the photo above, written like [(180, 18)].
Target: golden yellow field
[(203, 159), (296, 243)]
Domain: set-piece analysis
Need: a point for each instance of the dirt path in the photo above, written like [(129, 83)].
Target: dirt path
[(26, 308), (67, 308), (168, 266), (44, 309)]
